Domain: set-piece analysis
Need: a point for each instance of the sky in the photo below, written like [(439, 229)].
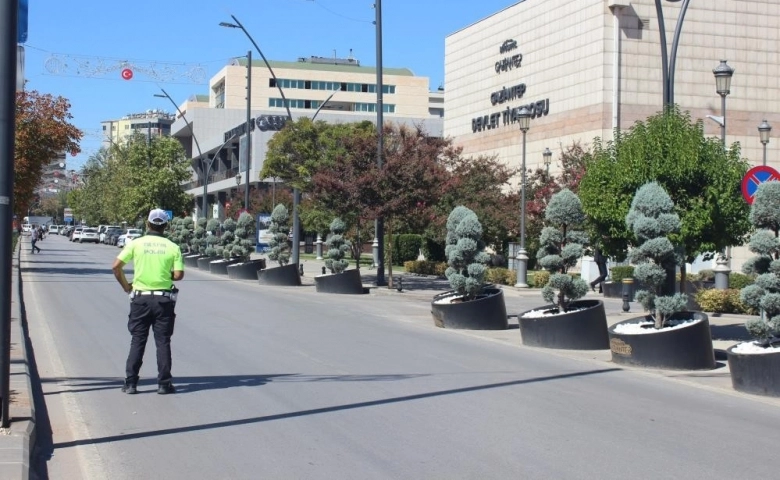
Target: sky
[(76, 48)]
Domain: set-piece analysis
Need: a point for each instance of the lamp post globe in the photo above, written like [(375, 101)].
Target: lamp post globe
[(547, 155), (524, 121), (763, 133), (723, 74)]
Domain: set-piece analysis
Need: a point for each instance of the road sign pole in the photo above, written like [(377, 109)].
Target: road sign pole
[(8, 19)]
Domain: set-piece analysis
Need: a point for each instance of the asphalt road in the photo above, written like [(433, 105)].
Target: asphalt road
[(285, 383)]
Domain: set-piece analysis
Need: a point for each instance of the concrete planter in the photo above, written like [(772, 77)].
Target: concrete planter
[(757, 373), (204, 262), (191, 261), (220, 268), (486, 312), (285, 276), (684, 348), (245, 271), (347, 282), (584, 329)]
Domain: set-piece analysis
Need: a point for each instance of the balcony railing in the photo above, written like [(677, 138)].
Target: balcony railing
[(213, 178)]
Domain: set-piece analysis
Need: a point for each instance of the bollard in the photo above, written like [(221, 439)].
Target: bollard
[(300, 269), (400, 286), (323, 270), (628, 287)]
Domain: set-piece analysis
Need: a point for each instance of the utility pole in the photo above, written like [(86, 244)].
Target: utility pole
[(8, 14), (248, 125), (379, 224)]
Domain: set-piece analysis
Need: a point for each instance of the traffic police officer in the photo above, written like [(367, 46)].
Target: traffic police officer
[(157, 262)]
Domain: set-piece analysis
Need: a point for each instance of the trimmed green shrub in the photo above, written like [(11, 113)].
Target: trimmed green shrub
[(617, 274), (501, 276), (465, 252), (561, 246), (721, 301), (225, 248), (433, 250), (541, 278), (764, 293), (707, 275), (651, 218), (279, 243), (211, 239), (740, 280), (425, 267), (198, 237), (406, 247), (246, 236), (338, 246)]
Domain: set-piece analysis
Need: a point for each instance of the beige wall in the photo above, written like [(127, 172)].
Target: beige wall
[(568, 56), (410, 97)]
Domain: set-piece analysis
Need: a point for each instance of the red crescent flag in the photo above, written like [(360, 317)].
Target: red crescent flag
[(127, 74)]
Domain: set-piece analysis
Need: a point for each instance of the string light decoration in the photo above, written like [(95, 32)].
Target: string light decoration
[(99, 67)]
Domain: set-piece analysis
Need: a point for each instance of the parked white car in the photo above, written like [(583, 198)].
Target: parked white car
[(88, 235), (129, 236)]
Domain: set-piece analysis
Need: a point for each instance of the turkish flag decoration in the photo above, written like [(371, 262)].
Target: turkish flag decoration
[(127, 74)]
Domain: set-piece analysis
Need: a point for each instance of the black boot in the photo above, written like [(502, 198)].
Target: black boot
[(130, 388), (165, 389)]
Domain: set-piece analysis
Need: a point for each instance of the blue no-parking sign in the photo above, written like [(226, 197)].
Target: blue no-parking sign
[(755, 177)]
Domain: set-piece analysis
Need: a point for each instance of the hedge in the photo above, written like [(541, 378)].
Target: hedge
[(722, 301), (406, 247), (617, 274)]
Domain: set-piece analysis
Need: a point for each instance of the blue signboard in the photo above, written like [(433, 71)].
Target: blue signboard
[(21, 28), (264, 235), (170, 214)]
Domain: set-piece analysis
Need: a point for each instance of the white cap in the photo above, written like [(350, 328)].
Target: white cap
[(158, 217)]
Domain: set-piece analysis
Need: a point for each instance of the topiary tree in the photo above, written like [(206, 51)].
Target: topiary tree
[(245, 237), (172, 232), (651, 218), (198, 237), (561, 246), (764, 294), (338, 246), (280, 225), (211, 239), (184, 231), (225, 247), (465, 252)]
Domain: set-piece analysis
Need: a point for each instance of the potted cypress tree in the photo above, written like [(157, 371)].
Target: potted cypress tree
[(471, 303), (197, 243), (567, 322), (668, 337), (209, 245), (242, 248), (755, 365), (285, 274), (224, 249), (184, 229), (339, 280)]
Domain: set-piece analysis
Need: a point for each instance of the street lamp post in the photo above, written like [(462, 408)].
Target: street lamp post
[(723, 74), (192, 132), (296, 193), (207, 171), (763, 132), (667, 64), (547, 155), (524, 119)]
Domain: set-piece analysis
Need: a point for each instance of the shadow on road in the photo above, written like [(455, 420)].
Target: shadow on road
[(336, 408), (67, 270), (735, 331), (194, 384)]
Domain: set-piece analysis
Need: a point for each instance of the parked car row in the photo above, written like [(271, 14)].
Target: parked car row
[(106, 234)]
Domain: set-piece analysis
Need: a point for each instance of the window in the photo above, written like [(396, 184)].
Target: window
[(343, 87), (104, 128), (307, 85), (388, 88), (271, 82), (364, 88)]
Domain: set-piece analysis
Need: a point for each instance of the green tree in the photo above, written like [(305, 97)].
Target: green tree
[(280, 245), (465, 250), (42, 131), (701, 178)]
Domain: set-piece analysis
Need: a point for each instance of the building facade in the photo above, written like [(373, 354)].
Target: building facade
[(335, 90), (149, 123), (588, 67)]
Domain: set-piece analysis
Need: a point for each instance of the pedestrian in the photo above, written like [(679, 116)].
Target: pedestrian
[(34, 240), (157, 263), (601, 262)]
